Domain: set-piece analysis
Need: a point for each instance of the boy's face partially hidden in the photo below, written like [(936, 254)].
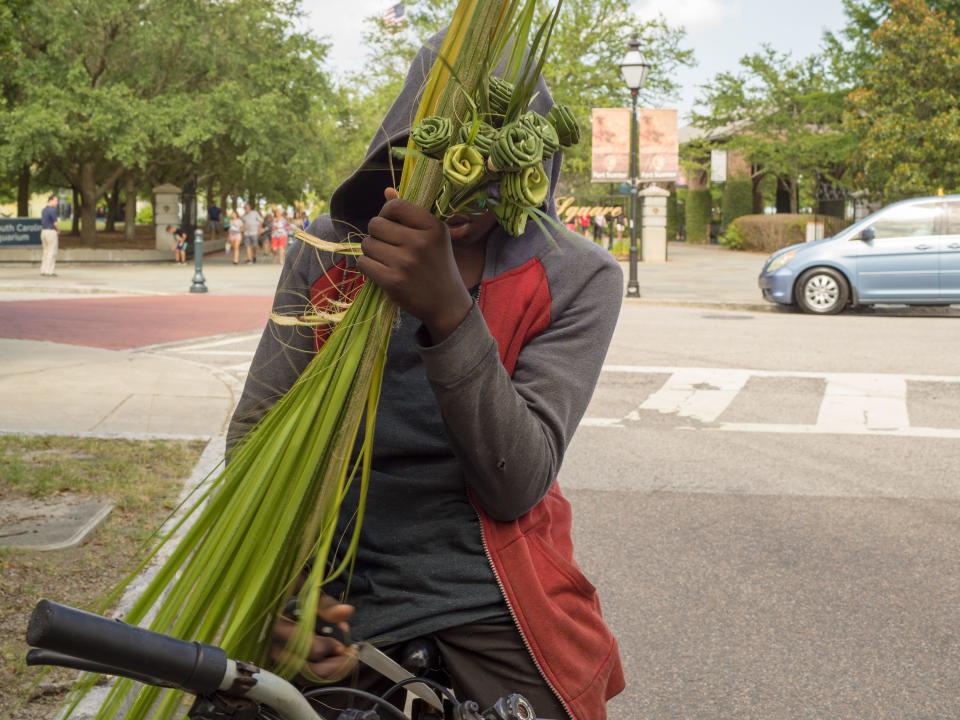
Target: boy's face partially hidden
[(465, 230)]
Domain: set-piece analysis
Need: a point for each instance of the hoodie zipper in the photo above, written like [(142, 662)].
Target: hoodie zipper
[(516, 623)]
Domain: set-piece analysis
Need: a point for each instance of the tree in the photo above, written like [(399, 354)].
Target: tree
[(167, 90), (783, 115), (907, 112), (852, 50), (582, 70)]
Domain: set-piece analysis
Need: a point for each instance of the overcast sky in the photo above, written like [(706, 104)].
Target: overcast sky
[(720, 31)]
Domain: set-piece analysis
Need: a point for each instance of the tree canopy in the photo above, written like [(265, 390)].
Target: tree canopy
[(906, 113)]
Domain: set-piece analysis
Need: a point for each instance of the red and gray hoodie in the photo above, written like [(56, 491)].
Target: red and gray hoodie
[(512, 382)]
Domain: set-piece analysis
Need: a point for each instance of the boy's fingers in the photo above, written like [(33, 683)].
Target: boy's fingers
[(408, 214), (389, 231), (390, 194)]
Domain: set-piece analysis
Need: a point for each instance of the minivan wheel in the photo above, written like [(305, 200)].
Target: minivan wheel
[(822, 291)]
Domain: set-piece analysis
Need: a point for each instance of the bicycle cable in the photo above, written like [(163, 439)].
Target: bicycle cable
[(424, 681), (378, 701)]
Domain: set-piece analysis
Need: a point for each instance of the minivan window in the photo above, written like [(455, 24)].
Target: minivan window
[(953, 218), (908, 221)]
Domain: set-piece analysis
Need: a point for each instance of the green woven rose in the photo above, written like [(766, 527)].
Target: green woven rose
[(433, 136), (527, 188), (464, 169), (537, 122), (463, 166), (516, 147), (486, 134), (512, 217), (500, 93), (563, 121)]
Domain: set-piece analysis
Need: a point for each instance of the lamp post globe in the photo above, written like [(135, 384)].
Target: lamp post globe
[(634, 68)]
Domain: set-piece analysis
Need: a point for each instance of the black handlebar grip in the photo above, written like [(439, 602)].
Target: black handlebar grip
[(192, 666)]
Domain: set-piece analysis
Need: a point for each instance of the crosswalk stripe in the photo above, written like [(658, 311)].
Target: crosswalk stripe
[(852, 403), (698, 394), (875, 402)]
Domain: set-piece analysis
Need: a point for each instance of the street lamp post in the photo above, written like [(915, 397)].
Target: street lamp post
[(634, 69)]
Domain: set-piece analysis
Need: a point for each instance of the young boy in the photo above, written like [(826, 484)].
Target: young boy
[(179, 244), (466, 536)]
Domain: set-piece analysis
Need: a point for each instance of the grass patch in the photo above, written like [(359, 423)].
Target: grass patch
[(142, 478)]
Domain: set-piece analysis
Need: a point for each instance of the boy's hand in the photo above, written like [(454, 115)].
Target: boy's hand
[(409, 255), (328, 658)]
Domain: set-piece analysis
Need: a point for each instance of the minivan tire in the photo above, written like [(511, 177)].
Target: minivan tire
[(822, 291)]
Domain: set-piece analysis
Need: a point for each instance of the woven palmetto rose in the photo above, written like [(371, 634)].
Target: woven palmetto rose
[(512, 217), (433, 136), (486, 134), (539, 124), (500, 93), (527, 188), (464, 168), (563, 121), (516, 147)]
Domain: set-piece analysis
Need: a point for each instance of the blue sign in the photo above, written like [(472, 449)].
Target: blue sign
[(16, 232)]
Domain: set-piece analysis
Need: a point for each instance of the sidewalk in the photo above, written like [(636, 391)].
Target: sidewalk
[(703, 275), (222, 278), (694, 273), (126, 350)]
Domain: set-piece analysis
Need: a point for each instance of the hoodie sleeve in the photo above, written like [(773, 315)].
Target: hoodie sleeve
[(283, 352), (511, 433)]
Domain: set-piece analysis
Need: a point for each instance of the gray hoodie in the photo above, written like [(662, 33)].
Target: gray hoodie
[(510, 433)]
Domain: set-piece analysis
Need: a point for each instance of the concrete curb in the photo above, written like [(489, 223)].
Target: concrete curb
[(107, 435), (210, 460), (74, 290), (705, 305)]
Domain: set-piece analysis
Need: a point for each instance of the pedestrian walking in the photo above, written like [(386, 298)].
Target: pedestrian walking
[(599, 227), (49, 237), (584, 222), (252, 227), (235, 235), (279, 235), (213, 221)]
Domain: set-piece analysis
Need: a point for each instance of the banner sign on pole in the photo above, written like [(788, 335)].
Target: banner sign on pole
[(611, 144), (659, 146), (16, 232), (718, 166)]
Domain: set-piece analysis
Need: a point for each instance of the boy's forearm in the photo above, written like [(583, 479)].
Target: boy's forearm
[(510, 433)]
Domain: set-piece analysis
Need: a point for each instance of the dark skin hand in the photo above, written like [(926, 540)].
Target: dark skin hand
[(425, 265), (328, 658)]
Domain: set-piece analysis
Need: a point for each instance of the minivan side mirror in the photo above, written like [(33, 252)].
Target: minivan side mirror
[(866, 235)]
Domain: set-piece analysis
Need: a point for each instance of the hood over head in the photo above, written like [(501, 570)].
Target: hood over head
[(360, 197)]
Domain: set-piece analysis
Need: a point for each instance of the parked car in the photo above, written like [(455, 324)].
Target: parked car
[(907, 253)]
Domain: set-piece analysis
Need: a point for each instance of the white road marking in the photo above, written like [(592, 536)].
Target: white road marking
[(701, 394), (874, 402), (917, 432), (661, 370), (853, 403), (216, 343), (231, 353)]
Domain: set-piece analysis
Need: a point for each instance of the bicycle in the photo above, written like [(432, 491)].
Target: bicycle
[(228, 689)]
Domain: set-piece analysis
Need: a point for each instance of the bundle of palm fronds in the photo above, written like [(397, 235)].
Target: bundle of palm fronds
[(262, 530)]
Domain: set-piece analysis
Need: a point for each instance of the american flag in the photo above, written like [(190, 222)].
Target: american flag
[(395, 15)]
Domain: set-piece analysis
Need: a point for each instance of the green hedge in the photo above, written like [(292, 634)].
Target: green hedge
[(737, 200), (768, 233), (698, 216)]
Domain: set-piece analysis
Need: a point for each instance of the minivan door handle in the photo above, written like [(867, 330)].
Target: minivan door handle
[(954, 246), (924, 247)]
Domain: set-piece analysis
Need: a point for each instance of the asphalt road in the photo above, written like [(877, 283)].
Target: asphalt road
[(769, 505)]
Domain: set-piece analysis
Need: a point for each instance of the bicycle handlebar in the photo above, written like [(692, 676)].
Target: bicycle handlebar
[(128, 649)]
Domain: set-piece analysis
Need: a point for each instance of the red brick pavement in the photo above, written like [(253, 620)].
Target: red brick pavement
[(129, 322)]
